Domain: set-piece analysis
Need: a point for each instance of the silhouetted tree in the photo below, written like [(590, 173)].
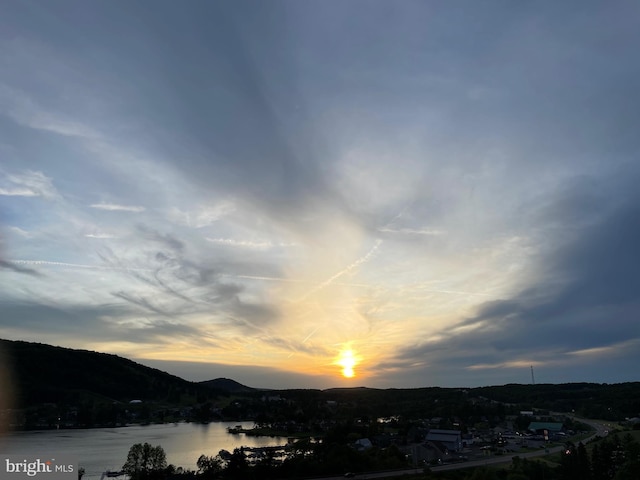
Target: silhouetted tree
[(210, 467), (574, 463), (238, 466), (583, 463), (630, 468), (599, 462), (483, 473), (145, 462)]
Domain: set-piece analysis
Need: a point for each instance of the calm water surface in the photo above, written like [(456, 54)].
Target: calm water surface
[(106, 449)]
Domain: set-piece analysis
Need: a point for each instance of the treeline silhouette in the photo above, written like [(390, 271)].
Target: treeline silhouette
[(91, 389), (616, 457)]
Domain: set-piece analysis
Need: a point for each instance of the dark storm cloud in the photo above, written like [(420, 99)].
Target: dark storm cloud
[(584, 297), (601, 264), (588, 289)]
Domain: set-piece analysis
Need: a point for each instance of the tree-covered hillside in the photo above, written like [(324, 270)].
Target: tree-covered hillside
[(590, 400), (44, 373)]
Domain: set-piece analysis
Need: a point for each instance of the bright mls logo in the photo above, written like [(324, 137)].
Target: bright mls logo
[(45, 467)]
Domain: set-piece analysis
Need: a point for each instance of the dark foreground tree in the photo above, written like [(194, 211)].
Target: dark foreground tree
[(145, 462), (238, 467), (210, 467)]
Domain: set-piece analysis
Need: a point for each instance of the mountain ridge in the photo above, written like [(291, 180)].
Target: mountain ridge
[(229, 385), (44, 373)]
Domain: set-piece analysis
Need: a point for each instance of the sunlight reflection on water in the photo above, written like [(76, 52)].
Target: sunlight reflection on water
[(104, 449)]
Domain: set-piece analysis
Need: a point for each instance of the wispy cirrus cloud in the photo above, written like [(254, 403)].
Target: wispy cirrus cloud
[(21, 232), (18, 192), (49, 263), (349, 268), (100, 235), (27, 111), (413, 231), (259, 245), (508, 364), (145, 303), (618, 348), (201, 216), (28, 183), (115, 207)]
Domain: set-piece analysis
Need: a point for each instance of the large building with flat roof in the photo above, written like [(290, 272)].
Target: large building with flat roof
[(450, 439), (550, 427)]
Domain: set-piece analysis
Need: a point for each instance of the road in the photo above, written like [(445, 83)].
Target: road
[(599, 427)]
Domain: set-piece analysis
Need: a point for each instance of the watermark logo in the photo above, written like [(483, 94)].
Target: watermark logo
[(38, 467)]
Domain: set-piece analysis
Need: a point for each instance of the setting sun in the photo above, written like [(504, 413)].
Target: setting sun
[(347, 361)]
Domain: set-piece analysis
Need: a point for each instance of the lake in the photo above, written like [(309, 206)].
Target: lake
[(104, 449)]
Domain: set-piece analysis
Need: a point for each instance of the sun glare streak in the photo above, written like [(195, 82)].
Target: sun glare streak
[(347, 360)]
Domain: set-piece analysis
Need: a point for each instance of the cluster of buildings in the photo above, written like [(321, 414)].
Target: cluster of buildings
[(436, 445)]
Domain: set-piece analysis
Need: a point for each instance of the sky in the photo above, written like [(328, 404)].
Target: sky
[(324, 193)]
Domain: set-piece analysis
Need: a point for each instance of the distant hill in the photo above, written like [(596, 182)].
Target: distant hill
[(47, 374), (228, 385), (44, 373)]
